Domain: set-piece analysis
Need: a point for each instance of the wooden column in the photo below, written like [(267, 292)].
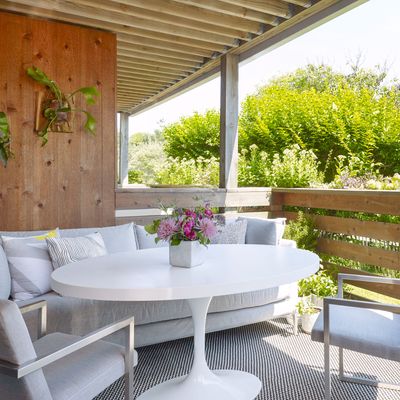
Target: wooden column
[(123, 148), (229, 122)]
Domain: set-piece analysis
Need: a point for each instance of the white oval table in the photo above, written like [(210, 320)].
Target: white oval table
[(147, 276)]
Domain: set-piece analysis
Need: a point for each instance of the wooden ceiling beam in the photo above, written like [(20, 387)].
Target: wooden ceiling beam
[(131, 66), (162, 44), (130, 9), (123, 60), (138, 77), (195, 13), (157, 59), (150, 73), (139, 84), (160, 52), (128, 89), (233, 10), (301, 3), (272, 7)]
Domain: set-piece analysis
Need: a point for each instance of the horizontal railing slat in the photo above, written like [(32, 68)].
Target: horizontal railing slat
[(369, 201), (364, 254), (191, 197), (350, 226)]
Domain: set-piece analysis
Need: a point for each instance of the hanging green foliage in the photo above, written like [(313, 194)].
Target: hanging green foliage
[(58, 109), (5, 139)]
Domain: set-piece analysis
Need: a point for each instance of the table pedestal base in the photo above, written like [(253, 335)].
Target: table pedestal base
[(202, 383), (219, 385)]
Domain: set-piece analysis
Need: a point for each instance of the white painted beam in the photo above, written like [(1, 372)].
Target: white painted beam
[(123, 148), (228, 171)]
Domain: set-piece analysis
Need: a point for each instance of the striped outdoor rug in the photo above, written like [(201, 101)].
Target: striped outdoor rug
[(290, 367)]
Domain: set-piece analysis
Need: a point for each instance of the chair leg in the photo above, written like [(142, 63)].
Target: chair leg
[(362, 381), (129, 362), (295, 323), (327, 372), (341, 368)]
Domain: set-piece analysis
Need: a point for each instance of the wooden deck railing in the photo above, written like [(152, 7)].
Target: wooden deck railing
[(368, 242)]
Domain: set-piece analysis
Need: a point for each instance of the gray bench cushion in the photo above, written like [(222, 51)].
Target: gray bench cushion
[(84, 374), (82, 316), (362, 330)]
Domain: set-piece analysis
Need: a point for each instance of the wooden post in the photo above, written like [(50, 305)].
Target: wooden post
[(123, 148), (229, 122)]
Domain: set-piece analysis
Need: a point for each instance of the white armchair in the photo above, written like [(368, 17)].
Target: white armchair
[(361, 326)]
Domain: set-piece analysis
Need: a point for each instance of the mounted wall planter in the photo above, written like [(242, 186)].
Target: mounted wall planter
[(55, 109)]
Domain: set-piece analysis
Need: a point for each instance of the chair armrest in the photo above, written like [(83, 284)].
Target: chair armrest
[(288, 243), (85, 341), (364, 278), (40, 305)]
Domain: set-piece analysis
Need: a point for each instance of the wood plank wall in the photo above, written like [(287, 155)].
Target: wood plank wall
[(70, 182)]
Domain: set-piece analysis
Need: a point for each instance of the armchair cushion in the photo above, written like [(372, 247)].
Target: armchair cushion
[(366, 331), (83, 374)]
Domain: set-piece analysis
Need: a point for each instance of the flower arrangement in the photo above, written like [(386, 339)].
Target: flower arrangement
[(185, 224)]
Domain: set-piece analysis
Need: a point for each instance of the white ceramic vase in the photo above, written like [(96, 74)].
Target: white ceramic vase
[(187, 254)]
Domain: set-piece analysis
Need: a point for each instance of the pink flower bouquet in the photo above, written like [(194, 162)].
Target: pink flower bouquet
[(185, 224)]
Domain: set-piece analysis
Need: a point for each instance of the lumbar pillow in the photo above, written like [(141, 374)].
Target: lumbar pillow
[(231, 233), (29, 263), (146, 240), (264, 231), (67, 250)]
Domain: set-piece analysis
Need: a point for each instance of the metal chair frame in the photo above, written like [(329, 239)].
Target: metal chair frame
[(358, 304), (19, 371)]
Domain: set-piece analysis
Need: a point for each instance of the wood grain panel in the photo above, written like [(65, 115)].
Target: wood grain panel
[(370, 201), (351, 226), (190, 197), (69, 182), (364, 254)]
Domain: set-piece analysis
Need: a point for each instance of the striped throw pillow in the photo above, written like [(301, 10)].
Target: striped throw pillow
[(29, 263), (68, 250)]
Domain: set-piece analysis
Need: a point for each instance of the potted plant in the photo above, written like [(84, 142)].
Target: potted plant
[(317, 286), (5, 139), (58, 108), (309, 313), (188, 232)]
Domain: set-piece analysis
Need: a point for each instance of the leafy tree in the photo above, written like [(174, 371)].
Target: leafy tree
[(328, 112), (193, 136)]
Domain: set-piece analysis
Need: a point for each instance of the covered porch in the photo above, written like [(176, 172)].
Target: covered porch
[(139, 54)]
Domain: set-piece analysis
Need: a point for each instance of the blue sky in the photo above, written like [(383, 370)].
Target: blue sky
[(372, 30)]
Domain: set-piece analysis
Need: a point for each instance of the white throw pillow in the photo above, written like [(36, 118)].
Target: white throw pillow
[(231, 233), (146, 240), (264, 231), (67, 250), (29, 263)]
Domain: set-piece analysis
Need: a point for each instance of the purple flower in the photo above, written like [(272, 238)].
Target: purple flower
[(208, 213), (167, 228), (190, 213), (208, 228)]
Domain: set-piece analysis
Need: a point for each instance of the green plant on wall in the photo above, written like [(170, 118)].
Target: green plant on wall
[(58, 109), (5, 139)]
